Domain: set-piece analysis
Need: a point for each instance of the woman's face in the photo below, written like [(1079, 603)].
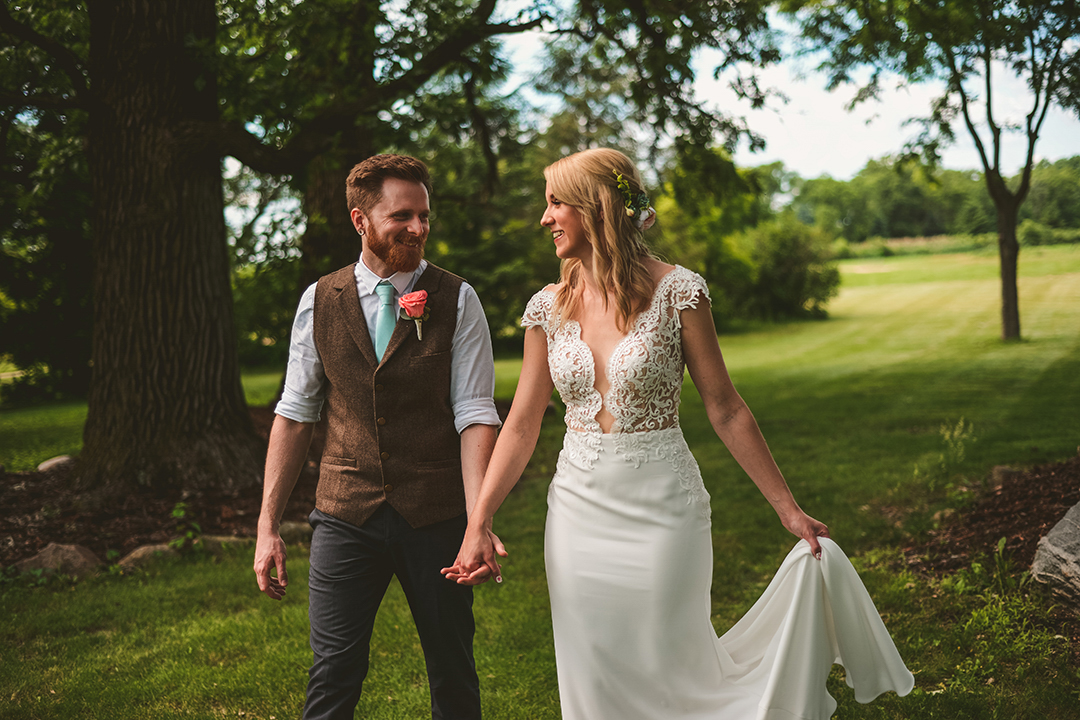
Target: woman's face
[(566, 228)]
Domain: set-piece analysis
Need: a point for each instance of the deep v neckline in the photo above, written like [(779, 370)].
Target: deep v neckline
[(635, 328)]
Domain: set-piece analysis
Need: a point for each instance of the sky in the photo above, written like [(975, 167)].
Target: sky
[(813, 134)]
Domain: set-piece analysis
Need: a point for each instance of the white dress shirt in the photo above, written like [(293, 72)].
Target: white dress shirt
[(472, 370)]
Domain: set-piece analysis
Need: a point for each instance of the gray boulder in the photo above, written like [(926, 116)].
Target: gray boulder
[(68, 559), (1057, 559), (144, 555)]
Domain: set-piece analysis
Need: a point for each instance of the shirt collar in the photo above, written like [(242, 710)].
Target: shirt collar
[(366, 280)]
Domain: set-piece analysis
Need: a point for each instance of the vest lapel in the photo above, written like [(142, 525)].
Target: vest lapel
[(429, 281), (348, 302)]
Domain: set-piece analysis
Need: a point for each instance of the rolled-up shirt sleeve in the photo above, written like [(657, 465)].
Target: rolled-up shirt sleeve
[(472, 368), (304, 392)]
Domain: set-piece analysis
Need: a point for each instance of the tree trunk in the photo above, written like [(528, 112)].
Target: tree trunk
[(330, 241), (1008, 251), (166, 408)]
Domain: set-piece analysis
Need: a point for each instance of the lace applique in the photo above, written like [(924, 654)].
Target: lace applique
[(645, 370), (646, 367), (579, 449), (670, 446), (582, 450), (538, 310)]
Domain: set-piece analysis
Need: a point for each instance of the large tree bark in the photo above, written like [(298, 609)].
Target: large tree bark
[(330, 241), (166, 407)]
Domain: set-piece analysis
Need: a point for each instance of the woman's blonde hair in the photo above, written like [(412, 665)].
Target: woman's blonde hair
[(587, 182)]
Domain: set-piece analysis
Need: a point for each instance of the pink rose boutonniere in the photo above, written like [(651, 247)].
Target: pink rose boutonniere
[(412, 308)]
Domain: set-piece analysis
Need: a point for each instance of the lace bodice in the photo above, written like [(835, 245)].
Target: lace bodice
[(645, 370)]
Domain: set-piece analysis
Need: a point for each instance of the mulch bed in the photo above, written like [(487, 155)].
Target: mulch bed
[(37, 508), (1023, 509)]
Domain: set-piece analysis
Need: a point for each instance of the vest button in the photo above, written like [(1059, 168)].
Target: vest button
[(384, 455), (381, 421), (388, 488), (378, 386)]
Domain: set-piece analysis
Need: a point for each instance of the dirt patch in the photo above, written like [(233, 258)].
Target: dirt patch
[(38, 508), (1026, 506)]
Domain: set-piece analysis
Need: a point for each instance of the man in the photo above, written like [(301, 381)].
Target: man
[(410, 428)]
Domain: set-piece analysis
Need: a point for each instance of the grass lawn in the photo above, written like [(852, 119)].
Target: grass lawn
[(853, 408)]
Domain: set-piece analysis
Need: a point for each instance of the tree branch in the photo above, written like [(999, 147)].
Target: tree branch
[(995, 131), (1044, 94), (483, 136), (317, 135), (65, 59), (956, 79)]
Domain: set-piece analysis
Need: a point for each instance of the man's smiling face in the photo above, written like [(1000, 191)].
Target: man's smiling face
[(396, 228)]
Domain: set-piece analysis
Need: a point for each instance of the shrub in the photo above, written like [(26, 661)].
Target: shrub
[(795, 273), (1031, 233)]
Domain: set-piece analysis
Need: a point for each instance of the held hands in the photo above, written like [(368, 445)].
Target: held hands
[(270, 553), (476, 562), (802, 525)]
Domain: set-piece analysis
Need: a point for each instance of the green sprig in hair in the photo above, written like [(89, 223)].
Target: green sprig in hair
[(635, 202)]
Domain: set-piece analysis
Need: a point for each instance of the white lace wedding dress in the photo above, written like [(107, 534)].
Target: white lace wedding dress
[(629, 557)]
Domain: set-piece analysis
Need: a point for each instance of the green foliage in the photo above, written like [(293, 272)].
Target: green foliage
[(45, 256), (794, 273), (264, 303), (1032, 233), (188, 531), (46, 261), (941, 474), (1054, 199), (896, 198), (997, 577)]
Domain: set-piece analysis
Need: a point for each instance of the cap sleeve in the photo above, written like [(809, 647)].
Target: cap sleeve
[(538, 311), (687, 287)]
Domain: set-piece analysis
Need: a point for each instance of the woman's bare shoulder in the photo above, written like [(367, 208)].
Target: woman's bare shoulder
[(658, 269)]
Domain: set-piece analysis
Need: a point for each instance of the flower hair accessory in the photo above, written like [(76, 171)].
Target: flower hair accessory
[(413, 308), (637, 204)]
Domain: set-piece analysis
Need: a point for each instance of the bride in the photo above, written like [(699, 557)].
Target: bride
[(627, 543)]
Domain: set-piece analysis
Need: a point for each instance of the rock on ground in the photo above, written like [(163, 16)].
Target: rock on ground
[(1057, 559), (144, 554), (68, 559)]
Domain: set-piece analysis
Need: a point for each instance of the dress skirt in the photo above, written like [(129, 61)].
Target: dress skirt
[(628, 550)]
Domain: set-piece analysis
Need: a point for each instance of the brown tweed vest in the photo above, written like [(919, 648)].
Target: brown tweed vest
[(390, 433)]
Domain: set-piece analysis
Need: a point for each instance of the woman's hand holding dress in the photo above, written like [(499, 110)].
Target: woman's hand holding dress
[(736, 426)]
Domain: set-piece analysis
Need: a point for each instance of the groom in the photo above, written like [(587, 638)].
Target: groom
[(410, 428)]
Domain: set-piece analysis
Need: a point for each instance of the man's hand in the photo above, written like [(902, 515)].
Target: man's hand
[(270, 553), (478, 564)]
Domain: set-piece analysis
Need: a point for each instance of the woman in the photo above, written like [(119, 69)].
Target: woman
[(627, 545)]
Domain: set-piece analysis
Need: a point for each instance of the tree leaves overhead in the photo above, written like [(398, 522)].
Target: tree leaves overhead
[(300, 76), (653, 46)]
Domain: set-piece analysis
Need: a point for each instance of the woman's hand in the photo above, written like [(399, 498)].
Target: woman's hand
[(802, 525), (476, 561)]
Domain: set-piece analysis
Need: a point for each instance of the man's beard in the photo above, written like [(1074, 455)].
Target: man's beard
[(397, 256)]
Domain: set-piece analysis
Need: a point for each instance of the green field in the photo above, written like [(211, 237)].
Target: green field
[(853, 408)]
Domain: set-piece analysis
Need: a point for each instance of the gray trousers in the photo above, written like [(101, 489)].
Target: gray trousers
[(351, 568)]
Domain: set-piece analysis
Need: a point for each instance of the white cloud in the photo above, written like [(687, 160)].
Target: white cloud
[(814, 134)]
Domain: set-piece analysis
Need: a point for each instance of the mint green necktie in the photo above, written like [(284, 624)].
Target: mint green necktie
[(385, 319)]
